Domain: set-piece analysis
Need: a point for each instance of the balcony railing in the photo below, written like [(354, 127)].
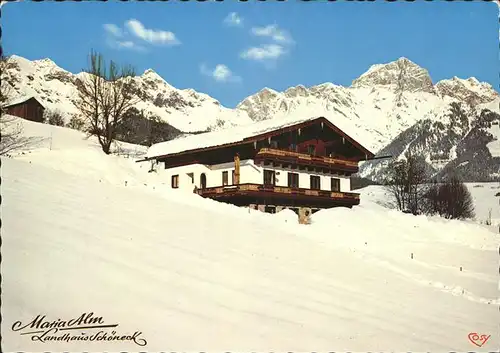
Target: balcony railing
[(252, 188), (309, 159)]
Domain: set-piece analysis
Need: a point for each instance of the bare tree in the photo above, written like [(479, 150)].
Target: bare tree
[(104, 97), (53, 117), (11, 131), (395, 183), (76, 123), (12, 137), (5, 87), (141, 127), (407, 183), (450, 199)]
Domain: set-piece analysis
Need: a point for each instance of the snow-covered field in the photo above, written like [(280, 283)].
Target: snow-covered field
[(483, 196), (192, 274)]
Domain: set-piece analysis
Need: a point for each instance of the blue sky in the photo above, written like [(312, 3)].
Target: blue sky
[(232, 49)]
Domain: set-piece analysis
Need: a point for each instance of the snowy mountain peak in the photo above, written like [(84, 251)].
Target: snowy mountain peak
[(151, 74), (468, 90), (267, 90), (473, 80), (405, 60), (260, 106), (297, 91), (325, 86), (263, 96), (152, 77), (45, 62), (57, 89), (398, 76)]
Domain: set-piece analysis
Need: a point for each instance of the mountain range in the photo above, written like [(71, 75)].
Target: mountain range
[(392, 108)]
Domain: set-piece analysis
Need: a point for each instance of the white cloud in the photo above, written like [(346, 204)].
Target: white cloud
[(151, 35), (264, 52), (113, 29), (221, 73), (273, 32), (125, 44), (269, 53), (120, 38), (233, 19), (115, 38), (4, 2)]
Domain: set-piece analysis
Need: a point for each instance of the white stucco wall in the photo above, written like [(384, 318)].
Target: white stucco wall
[(185, 182), (304, 178), (249, 173), (213, 174)]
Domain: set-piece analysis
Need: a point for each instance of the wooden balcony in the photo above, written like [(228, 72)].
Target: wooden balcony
[(284, 156), (284, 195)]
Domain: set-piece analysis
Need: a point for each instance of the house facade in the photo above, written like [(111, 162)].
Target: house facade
[(299, 165)]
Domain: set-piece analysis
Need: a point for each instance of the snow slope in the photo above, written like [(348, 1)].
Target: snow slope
[(485, 200), (483, 196), (192, 274)]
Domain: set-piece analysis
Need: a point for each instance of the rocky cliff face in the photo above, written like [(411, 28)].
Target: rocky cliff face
[(458, 142), (399, 76), (470, 91)]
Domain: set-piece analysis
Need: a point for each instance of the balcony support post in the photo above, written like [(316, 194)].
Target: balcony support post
[(236, 169)]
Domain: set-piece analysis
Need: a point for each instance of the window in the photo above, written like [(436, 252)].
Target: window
[(232, 177), (293, 147), (335, 184), (268, 177), (274, 144), (224, 178), (293, 180), (191, 175), (311, 149), (315, 182), (270, 209), (175, 181)]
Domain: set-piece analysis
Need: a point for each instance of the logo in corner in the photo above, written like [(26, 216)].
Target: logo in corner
[(477, 339)]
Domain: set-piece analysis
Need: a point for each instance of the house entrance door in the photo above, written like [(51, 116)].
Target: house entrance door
[(203, 181)]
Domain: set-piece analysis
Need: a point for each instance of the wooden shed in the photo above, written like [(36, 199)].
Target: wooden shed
[(28, 108)]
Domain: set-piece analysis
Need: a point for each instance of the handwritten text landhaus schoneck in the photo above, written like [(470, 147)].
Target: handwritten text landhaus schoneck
[(43, 330)]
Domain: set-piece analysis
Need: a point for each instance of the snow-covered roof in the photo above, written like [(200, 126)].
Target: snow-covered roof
[(20, 99), (225, 136)]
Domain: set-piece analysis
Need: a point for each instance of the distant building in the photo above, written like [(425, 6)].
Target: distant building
[(302, 164), (27, 107)]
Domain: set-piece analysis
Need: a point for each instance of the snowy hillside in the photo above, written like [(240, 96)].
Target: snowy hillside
[(192, 274), (462, 141), (485, 196)]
